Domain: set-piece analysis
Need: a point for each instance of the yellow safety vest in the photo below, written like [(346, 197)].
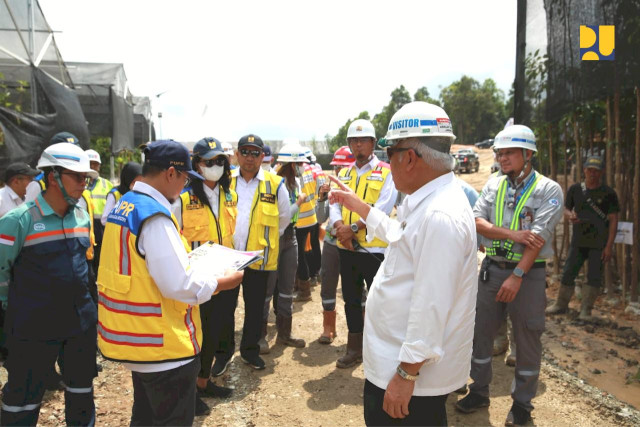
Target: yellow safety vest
[(367, 187), (307, 213), (116, 193), (136, 323), (264, 221), (200, 225), (86, 195), (101, 188)]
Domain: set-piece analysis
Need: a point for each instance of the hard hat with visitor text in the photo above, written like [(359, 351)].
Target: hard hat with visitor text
[(419, 119)]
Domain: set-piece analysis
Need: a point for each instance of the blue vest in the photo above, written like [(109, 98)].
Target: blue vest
[(48, 290)]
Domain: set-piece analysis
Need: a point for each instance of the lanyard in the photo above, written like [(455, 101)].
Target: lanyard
[(517, 196)]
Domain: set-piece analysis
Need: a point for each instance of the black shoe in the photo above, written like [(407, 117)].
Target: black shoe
[(471, 403), (220, 366), (463, 390), (255, 362), (201, 407), (517, 416), (213, 390)]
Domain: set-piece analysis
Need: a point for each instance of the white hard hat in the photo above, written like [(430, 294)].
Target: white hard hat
[(361, 128), (67, 156), (93, 156), (418, 119), (228, 148), (516, 136), (292, 153)]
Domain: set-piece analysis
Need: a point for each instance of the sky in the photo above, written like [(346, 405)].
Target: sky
[(283, 69)]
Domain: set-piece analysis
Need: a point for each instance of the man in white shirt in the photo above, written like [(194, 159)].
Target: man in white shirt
[(360, 258), (420, 309), (16, 179)]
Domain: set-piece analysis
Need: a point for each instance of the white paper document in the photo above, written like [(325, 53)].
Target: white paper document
[(216, 259)]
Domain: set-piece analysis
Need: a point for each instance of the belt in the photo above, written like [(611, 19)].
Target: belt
[(511, 265)]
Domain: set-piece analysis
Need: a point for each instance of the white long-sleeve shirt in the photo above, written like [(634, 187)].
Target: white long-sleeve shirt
[(9, 200), (386, 199), (109, 203), (168, 264), (421, 305), (246, 192)]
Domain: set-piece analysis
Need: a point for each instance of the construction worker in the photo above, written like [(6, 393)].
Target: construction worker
[(206, 211), (360, 258), (99, 188), (314, 256), (43, 246), (131, 173), (593, 209), (16, 179), (149, 316), (515, 217), (280, 286), (263, 215), (419, 327), (330, 263)]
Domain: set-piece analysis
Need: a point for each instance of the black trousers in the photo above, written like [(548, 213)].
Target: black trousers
[(29, 364), (576, 257), (303, 267), (315, 255), (165, 398), (98, 231), (254, 292), (211, 333), (356, 268), (423, 410)]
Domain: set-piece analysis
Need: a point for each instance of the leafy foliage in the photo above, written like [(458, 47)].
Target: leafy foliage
[(341, 137), (103, 147)]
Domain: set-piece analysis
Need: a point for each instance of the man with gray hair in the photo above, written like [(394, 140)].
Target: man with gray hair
[(420, 309)]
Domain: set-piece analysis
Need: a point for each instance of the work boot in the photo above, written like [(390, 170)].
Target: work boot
[(510, 359), (501, 343), (517, 416), (354, 351), (283, 323), (472, 402), (562, 302), (313, 280), (579, 292), (329, 326), (262, 342), (304, 291), (589, 295)]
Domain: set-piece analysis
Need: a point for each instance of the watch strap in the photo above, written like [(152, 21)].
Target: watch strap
[(404, 374)]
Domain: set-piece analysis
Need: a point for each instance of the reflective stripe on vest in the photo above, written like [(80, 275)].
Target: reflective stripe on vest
[(307, 212), (503, 247), (101, 187)]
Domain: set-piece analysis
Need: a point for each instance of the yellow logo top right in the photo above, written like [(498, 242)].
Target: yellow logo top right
[(597, 42)]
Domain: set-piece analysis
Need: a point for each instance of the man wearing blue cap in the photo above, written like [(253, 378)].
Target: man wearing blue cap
[(149, 295)]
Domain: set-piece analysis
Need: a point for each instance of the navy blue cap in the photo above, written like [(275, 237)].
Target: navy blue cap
[(208, 148), (267, 154), (167, 153), (64, 137), (251, 139), (594, 162), (19, 168)]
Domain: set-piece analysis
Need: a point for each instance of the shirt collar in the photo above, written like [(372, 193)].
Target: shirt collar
[(209, 192), (414, 199), (142, 187), (524, 181), (14, 196), (44, 207), (235, 173)]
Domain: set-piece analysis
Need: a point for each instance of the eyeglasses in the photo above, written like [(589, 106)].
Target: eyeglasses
[(218, 161), (360, 140), (77, 177), (254, 153), (393, 150), (187, 178)]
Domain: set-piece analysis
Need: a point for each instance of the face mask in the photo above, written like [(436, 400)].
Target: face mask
[(213, 173), (266, 167)]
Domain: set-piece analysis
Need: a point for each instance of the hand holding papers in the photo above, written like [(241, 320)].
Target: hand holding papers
[(216, 259)]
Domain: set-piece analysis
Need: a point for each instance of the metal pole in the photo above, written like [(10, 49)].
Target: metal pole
[(34, 87), (521, 45)]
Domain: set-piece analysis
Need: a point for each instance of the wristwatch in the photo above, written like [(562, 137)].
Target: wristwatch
[(354, 227), (518, 272), (404, 374)]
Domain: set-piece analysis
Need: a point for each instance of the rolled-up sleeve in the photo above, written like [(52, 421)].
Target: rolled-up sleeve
[(550, 211), (168, 263), (433, 294)]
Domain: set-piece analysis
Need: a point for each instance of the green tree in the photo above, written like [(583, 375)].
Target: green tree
[(341, 137), (103, 147), (422, 94), (476, 111), (399, 97)]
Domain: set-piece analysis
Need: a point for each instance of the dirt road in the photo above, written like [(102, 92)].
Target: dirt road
[(303, 386)]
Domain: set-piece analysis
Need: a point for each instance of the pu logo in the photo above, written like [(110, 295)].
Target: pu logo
[(597, 42)]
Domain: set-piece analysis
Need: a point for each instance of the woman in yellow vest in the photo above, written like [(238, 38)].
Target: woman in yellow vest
[(206, 211), (130, 173), (280, 286)]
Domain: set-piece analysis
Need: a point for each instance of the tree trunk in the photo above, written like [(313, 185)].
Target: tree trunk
[(576, 136), (565, 222), (620, 250), (635, 266), (554, 176), (608, 273)]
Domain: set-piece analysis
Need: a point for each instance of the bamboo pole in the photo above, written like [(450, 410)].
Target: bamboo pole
[(635, 266)]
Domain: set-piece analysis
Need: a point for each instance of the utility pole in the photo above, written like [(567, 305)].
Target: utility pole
[(32, 50)]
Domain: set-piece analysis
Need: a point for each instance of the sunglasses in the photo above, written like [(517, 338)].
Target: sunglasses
[(253, 153), (77, 177), (218, 161)]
